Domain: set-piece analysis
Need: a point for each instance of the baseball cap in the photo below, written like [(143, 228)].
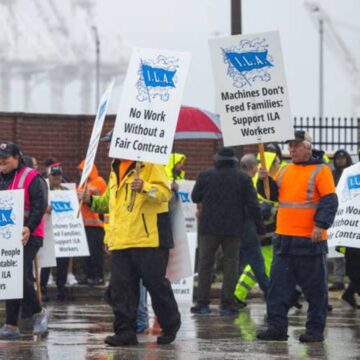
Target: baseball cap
[(56, 170), (300, 136), (8, 149)]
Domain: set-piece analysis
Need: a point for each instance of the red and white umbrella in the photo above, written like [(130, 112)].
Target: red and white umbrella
[(194, 123)]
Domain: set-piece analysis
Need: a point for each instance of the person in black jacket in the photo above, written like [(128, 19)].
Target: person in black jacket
[(11, 165), (225, 195), (342, 160)]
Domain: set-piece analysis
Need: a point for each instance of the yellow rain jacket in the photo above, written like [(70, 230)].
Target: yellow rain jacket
[(147, 225)]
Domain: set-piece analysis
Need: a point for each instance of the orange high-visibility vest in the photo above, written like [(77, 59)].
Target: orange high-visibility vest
[(300, 189)]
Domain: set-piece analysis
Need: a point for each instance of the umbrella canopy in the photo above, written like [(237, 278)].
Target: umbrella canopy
[(194, 123)]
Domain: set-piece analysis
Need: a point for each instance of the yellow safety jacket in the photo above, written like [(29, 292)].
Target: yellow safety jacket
[(175, 158), (147, 224)]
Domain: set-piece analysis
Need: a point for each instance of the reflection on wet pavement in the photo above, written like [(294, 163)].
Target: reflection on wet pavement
[(77, 332)]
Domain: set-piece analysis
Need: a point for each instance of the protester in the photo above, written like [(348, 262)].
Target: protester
[(94, 228), (175, 168), (15, 175), (352, 263), (252, 267), (342, 160), (275, 148), (139, 243), (48, 163), (307, 200), (226, 194), (62, 263)]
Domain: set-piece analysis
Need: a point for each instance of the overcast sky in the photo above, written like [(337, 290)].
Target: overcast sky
[(186, 25)]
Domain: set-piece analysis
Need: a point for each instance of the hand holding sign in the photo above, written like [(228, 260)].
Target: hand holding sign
[(25, 235), (137, 185)]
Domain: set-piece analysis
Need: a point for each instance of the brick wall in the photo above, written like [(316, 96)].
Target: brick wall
[(66, 138)]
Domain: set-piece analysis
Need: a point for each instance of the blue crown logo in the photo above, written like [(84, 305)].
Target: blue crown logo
[(248, 62), (157, 78), (61, 206)]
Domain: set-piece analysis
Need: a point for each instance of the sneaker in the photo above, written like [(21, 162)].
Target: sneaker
[(271, 335), (337, 286), (41, 322), (200, 309), (168, 337), (311, 338), (348, 299), (229, 311), (71, 279), (124, 339), (9, 333)]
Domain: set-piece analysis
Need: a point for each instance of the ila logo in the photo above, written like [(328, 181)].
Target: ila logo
[(6, 217), (61, 206), (157, 78), (248, 62)]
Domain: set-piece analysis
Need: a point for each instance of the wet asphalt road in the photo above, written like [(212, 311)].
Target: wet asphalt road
[(77, 332)]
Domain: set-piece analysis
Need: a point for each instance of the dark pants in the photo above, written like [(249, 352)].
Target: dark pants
[(94, 264), (62, 265), (309, 272), (352, 264), (251, 255), (208, 245), (29, 304), (127, 268)]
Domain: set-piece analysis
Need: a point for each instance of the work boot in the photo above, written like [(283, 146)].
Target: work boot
[(271, 335), (9, 333), (311, 338), (348, 298), (169, 336), (241, 303), (122, 339), (200, 309), (41, 322), (337, 286)]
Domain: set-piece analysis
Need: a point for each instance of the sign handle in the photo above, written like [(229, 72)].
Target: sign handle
[(133, 193), (82, 200), (263, 164), (37, 279)]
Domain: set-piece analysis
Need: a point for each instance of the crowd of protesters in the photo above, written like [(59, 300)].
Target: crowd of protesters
[(274, 236)]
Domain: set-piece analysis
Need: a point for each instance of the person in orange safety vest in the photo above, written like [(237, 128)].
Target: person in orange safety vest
[(307, 200), (94, 228)]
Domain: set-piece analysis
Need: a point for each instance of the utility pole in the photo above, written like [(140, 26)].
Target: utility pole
[(97, 70), (236, 25), (321, 78), (236, 29)]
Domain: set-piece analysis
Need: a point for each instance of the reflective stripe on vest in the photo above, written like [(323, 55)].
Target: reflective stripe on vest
[(281, 175), (308, 204), (23, 176), (93, 221)]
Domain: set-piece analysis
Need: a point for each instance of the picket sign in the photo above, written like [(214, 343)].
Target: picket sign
[(251, 91), (11, 253), (345, 230), (146, 120), (94, 139)]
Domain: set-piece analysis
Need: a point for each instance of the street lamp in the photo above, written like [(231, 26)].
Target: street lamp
[(97, 47)]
